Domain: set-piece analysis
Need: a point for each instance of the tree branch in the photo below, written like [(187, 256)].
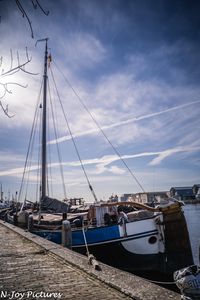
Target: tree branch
[(5, 110), (5, 86)]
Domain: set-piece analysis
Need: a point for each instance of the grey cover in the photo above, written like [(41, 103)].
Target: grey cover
[(53, 205), (188, 281)]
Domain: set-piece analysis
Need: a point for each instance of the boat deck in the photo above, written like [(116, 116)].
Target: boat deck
[(31, 266)]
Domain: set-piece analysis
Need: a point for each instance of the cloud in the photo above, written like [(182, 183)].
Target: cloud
[(123, 122), (138, 77), (169, 152)]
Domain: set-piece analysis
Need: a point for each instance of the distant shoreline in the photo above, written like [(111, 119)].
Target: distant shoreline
[(192, 201)]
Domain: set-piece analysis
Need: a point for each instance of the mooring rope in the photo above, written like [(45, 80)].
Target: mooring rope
[(85, 241), (160, 282)]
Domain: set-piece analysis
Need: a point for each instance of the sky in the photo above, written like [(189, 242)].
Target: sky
[(133, 64)]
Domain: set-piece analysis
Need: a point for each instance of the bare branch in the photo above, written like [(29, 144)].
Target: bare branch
[(5, 87), (19, 66), (24, 14), (27, 57), (6, 90), (27, 71), (45, 12), (34, 4), (11, 59), (11, 72), (1, 61), (5, 110), (4, 93)]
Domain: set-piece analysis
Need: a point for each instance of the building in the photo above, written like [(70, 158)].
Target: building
[(196, 190), (125, 197), (182, 193), (149, 197)]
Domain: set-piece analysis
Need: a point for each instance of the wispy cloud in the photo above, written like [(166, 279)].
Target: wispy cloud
[(169, 152), (106, 160), (123, 122), (139, 79)]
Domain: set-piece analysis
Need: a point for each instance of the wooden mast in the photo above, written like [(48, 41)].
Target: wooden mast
[(44, 129)]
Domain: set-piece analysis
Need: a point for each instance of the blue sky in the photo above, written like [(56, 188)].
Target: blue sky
[(135, 65)]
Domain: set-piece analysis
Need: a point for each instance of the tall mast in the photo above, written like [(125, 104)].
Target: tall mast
[(44, 130), (1, 197)]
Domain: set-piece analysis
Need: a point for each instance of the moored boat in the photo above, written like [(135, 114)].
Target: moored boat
[(145, 239), (126, 235)]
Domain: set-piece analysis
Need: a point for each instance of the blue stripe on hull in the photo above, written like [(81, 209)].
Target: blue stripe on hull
[(101, 235), (95, 235)]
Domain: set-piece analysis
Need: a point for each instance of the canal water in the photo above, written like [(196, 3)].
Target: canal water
[(192, 215)]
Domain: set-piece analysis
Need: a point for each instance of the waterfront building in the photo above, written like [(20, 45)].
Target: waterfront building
[(182, 193), (149, 197)]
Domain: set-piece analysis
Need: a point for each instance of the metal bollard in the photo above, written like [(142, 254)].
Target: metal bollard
[(66, 234), (30, 223)]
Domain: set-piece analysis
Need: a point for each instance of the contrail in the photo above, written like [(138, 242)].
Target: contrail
[(120, 123), (109, 159)]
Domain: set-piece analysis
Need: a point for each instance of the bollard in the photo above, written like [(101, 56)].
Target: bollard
[(30, 223), (15, 219), (64, 216), (66, 234), (94, 262)]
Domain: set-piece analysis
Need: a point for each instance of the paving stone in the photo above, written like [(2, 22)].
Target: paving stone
[(31, 264)]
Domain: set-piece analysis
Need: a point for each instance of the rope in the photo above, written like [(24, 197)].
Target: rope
[(160, 282), (58, 149), (101, 130), (31, 154), (29, 146), (85, 241), (73, 140)]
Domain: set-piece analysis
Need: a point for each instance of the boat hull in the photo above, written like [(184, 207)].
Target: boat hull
[(133, 246), (116, 255)]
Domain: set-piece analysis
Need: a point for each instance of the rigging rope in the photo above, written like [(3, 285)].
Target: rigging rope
[(73, 140), (31, 153), (57, 146), (29, 147), (99, 127)]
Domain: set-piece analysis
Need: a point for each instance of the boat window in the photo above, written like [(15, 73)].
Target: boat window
[(152, 240)]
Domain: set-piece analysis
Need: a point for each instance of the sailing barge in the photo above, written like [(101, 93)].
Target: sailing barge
[(126, 235)]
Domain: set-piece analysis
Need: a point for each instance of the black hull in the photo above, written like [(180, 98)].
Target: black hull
[(116, 255)]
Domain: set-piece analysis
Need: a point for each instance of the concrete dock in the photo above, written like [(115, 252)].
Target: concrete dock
[(35, 268)]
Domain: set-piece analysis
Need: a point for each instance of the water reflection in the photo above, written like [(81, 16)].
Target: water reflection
[(192, 215)]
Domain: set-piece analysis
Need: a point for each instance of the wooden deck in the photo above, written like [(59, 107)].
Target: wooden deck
[(33, 268)]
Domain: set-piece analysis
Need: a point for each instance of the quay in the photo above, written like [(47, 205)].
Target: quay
[(34, 268)]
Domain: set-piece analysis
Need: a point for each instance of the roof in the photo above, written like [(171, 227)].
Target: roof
[(196, 185), (182, 188)]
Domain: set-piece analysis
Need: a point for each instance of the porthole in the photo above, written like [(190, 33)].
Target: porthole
[(152, 240)]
